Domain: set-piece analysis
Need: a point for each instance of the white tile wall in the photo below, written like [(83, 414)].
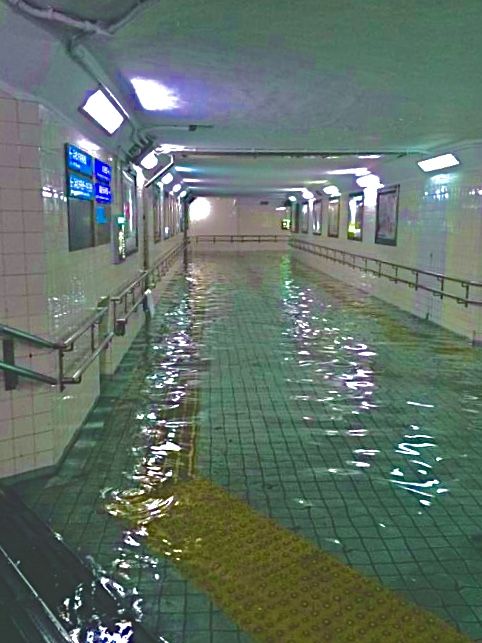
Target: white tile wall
[(438, 230), (46, 289)]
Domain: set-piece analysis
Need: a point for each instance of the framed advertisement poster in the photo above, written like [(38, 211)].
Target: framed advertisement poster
[(334, 217), (356, 207), (387, 215), (316, 220)]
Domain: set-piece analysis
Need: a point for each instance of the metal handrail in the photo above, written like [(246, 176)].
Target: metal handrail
[(350, 259), (241, 238), (143, 281)]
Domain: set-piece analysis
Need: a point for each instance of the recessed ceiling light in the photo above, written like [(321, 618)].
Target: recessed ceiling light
[(183, 194), (281, 209), (150, 161), (356, 171), (331, 190), (370, 156), (167, 178), (292, 198), (177, 188), (192, 180), (153, 96), (103, 111), (438, 162)]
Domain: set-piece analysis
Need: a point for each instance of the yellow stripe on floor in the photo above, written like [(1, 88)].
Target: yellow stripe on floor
[(277, 586)]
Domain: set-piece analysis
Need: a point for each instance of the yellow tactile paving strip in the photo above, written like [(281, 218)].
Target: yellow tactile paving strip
[(278, 587)]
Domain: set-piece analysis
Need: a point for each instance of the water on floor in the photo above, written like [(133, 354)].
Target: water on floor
[(350, 424)]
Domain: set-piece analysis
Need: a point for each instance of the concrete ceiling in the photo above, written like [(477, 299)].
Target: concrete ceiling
[(315, 75)]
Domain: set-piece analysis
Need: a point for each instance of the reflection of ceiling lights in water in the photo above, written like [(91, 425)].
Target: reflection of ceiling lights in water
[(199, 209)]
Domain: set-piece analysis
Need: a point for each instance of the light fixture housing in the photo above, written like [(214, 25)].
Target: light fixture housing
[(154, 96), (102, 110), (438, 163)]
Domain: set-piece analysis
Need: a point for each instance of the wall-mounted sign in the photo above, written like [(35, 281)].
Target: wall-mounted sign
[(103, 171), (79, 160), (80, 188), (103, 193)]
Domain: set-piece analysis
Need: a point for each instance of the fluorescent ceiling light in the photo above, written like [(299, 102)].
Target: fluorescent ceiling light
[(320, 182), (192, 180), (356, 171), (167, 178), (438, 162), (177, 188), (370, 156), (103, 111), (331, 190), (292, 198), (153, 96), (371, 181), (306, 194), (183, 194), (183, 168), (150, 161), (167, 148), (281, 209)]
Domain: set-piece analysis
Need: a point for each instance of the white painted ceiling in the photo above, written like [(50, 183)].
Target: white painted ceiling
[(311, 75)]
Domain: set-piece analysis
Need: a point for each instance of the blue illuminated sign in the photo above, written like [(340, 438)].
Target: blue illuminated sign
[(103, 193), (80, 188), (79, 160), (103, 171)]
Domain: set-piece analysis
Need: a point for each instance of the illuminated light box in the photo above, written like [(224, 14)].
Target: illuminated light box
[(100, 108), (80, 188), (438, 163), (103, 171), (103, 193), (78, 160)]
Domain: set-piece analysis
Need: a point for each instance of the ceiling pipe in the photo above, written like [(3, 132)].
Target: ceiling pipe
[(154, 178), (86, 26), (52, 15)]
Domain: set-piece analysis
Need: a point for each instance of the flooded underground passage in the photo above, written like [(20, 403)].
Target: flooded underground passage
[(279, 457)]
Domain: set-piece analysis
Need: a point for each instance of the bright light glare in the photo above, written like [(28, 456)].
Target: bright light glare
[(177, 188), (150, 161), (331, 190), (183, 168), (281, 209), (183, 194), (306, 194), (154, 96), (105, 113), (371, 181), (167, 148), (357, 171), (438, 162), (292, 198), (88, 146), (199, 209), (167, 178)]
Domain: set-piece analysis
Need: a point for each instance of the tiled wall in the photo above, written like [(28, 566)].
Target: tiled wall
[(439, 229), (47, 290), (237, 217)]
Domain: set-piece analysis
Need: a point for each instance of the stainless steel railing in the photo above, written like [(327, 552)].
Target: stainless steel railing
[(238, 238), (129, 300), (434, 282)]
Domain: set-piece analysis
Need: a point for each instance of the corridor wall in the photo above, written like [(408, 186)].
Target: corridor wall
[(439, 229)]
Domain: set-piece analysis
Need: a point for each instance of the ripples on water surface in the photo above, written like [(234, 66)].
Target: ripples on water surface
[(346, 420)]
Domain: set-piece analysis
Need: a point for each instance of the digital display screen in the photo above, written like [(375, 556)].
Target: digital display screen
[(79, 160), (103, 193), (80, 188), (103, 171)]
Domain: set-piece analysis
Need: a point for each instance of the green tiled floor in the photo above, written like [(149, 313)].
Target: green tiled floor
[(344, 419)]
